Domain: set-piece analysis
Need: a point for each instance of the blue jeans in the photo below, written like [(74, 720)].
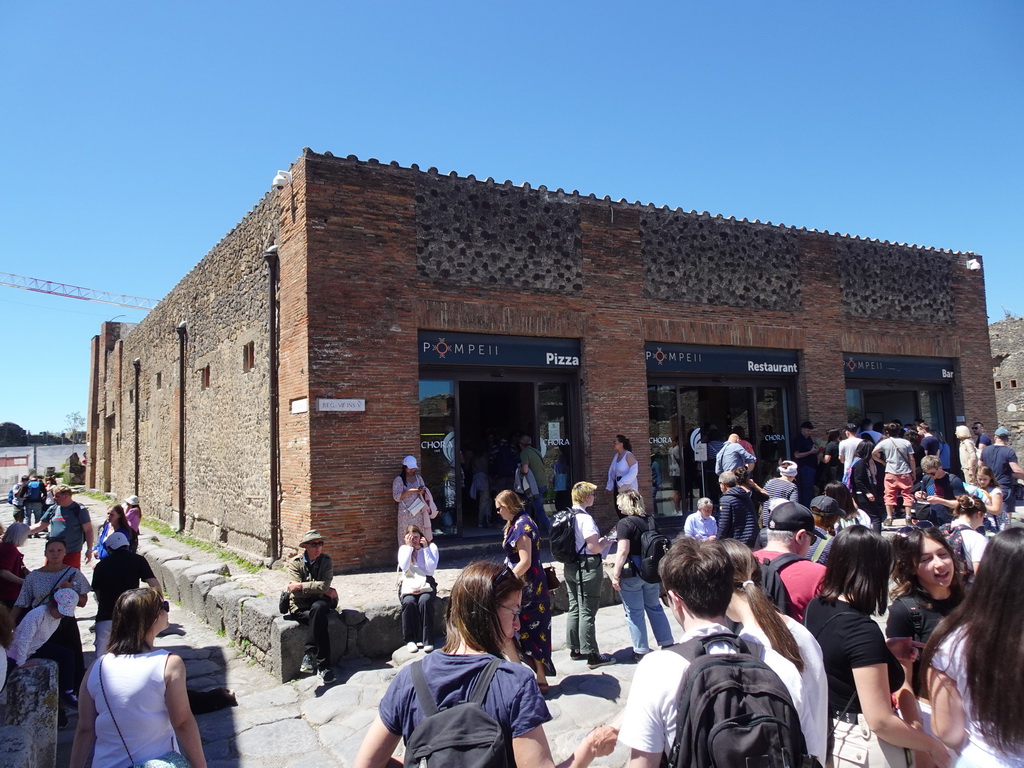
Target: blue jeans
[(539, 516), (640, 597)]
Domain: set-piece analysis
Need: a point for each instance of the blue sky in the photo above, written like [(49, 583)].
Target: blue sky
[(136, 135)]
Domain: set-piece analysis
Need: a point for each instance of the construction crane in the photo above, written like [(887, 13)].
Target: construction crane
[(75, 292)]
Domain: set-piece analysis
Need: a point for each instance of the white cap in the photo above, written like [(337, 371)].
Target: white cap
[(116, 540), (409, 462)]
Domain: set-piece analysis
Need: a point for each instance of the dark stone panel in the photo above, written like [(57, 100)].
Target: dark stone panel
[(484, 234), (894, 282), (702, 260)]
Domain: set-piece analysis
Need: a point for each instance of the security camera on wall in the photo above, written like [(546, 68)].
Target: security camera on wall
[(973, 264), (282, 179)]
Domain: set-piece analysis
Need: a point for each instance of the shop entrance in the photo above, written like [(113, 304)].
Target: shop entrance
[(470, 428), (688, 425)]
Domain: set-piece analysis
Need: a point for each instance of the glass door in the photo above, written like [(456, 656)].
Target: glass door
[(438, 452), (555, 444), (666, 452), (772, 417)]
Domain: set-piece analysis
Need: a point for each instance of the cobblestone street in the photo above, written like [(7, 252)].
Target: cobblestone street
[(304, 723)]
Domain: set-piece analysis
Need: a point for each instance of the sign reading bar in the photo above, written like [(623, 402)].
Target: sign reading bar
[(676, 358), (443, 348), (881, 367), (340, 404)]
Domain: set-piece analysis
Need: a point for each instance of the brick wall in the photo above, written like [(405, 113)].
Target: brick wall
[(223, 301), (371, 254)]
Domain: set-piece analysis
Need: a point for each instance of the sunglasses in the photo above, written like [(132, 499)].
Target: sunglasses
[(504, 574), (165, 606), (906, 529)]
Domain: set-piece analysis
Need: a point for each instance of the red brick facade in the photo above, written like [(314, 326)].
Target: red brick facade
[(355, 289)]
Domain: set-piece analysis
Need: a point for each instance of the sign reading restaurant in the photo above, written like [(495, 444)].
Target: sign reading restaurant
[(443, 348), (676, 358)]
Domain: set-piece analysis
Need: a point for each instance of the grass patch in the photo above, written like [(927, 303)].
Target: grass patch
[(159, 526)]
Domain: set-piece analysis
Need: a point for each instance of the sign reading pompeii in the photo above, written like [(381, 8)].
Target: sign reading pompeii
[(880, 367), (677, 358), (443, 348)]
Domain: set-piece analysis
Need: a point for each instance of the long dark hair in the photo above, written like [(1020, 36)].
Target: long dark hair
[(472, 612), (907, 548), (134, 613), (839, 492), (864, 449), (858, 570), (747, 581), (625, 442), (991, 619)]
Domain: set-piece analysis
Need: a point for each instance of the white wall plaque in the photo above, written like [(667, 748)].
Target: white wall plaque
[(300, 405), (340, 404)]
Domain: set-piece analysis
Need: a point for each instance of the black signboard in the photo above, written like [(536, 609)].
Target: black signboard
[(677, 358), (882, 367), (443, 348)]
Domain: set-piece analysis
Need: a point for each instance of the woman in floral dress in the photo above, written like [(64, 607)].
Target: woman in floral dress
[(521, 544)]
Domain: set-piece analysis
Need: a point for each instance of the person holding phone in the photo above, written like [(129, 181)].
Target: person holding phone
[(415, 504)]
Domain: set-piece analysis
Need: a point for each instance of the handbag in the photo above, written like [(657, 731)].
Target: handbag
[(415, 581), (170, 759), (552, 577), (416, 506)]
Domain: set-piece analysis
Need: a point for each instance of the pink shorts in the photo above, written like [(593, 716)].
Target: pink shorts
[(897, 484)]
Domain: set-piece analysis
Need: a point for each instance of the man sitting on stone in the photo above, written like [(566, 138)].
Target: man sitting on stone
[(120, 571), (311, 598)]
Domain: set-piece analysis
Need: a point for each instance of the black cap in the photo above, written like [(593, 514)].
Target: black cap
[(826, 506), (791, 517)]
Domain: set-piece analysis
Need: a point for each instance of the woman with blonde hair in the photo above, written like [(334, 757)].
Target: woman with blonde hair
[(583, 581), (639, 597), (521, 544), (484, 615), (752, 608)]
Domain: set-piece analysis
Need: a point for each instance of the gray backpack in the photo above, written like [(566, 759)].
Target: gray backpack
[(460, 736)]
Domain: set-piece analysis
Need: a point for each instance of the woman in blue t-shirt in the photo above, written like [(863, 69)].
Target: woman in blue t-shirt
[(482, 617)]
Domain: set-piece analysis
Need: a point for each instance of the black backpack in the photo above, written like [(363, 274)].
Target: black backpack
[(954, 533), (460, 736), (562, 537), (734, 710), (771, 579), (653, 546)]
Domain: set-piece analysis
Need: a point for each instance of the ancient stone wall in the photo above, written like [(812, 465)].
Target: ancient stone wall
[(223, 303), (1007, 338)]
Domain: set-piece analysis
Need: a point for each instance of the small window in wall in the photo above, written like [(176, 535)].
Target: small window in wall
[(131, 396), (248, 357), (1013, 383), (159, 381), (204, 377), (999, 385)]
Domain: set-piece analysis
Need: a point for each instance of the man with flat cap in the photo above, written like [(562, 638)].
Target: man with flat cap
[(311, 599), (787, 576)]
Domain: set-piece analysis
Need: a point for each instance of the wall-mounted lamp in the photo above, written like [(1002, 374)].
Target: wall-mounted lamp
[(283, 179)]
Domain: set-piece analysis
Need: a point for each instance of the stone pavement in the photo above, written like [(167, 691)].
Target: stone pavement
[(304, 723)]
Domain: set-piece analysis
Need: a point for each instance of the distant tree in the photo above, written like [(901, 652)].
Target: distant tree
[(75, 426), (12, 434)]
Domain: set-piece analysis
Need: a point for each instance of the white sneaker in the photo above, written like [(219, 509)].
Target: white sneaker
[(410, 647), (428, 648)]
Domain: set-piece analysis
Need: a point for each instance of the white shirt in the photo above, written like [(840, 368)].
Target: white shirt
[(698, 527), (621, 468), (848, 449), (425, 558), (649, 722), (34, 630), (585, 527), (813, 708), (949, 658), (974, 544)]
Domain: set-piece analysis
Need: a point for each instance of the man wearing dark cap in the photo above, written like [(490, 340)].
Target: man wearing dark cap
[(826, 514), (1002, 460), (790, 535), (311, 598), (806, 454)]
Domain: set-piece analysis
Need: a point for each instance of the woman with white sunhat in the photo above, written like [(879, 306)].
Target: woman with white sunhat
[(415, 504), (133, 512)]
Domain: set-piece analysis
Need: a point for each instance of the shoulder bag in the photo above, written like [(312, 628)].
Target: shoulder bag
[(170, 759)]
